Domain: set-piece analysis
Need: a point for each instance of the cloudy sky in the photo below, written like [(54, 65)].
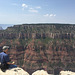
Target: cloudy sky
[(37, 11)]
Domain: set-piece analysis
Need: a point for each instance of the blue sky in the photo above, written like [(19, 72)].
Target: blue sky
[(37, 11)]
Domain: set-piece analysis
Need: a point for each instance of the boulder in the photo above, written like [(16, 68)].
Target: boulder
[(14, 71), (67, 73), (40, 72)]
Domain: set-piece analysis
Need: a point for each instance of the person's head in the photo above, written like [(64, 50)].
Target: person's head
[(5, 48)]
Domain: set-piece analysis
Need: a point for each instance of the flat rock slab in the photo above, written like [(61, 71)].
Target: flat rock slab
[(14, 71)]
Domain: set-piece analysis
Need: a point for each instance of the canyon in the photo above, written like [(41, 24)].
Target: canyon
[(41, 46)]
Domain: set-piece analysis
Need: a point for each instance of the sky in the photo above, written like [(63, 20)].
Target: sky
[(37, 11)]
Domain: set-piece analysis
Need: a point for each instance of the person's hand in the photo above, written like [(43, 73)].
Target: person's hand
[(10, 57), (13, 62)]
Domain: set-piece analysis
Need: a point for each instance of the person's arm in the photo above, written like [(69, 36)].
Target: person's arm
[(10, 63), (7, 60)]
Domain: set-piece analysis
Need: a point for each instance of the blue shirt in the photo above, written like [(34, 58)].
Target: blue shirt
[(4, 58)]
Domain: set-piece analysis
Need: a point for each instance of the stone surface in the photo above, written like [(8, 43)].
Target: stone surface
[(67, 73), (14, 71), (40, 72)]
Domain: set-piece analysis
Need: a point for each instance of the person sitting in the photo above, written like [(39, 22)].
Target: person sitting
[(4, 60)]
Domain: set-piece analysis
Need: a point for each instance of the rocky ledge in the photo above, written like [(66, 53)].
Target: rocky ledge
[(14, 71)]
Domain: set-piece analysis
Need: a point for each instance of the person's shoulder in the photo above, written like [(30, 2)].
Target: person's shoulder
[(1, 52), (4, 54)]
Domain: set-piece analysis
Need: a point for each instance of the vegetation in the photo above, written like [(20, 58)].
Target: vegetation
[(53, 44)]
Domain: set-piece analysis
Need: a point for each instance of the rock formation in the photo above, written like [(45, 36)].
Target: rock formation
[(40, 72), (67, 73), (36, 46), (14, 71)]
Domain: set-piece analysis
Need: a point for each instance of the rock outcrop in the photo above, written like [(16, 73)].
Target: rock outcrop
[(67, 73), (36, 46), (14, 71), (37, 31), (40, 72)]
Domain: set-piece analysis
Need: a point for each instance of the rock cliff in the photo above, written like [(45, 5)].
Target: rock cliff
[(41, 46), (14, 71)]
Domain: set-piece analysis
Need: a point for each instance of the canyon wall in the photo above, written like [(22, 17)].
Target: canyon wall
[(41, 46)]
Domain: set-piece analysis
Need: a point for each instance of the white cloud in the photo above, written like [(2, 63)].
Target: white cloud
[(50, 15), (38, 7), (46, 15), (54, 14), (33, 10), (24, 6)]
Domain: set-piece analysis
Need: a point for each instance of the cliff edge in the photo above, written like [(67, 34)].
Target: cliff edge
[(14, 71)]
